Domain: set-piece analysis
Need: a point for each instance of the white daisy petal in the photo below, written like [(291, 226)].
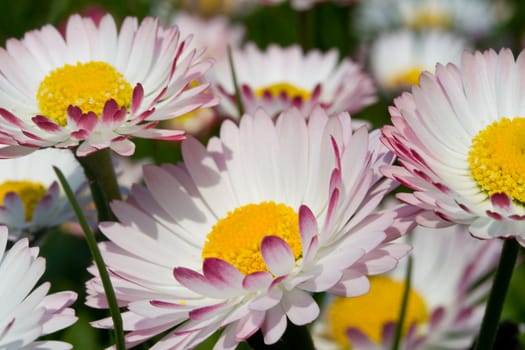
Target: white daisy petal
[(247, 247), (42, 73)]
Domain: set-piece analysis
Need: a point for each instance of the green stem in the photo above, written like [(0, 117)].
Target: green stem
[(306, 20), (238, 99), (99, 262), (489, 326), (404, 305), (100, 172)]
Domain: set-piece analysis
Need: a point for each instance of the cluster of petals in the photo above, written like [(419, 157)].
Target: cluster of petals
[(26, 314), (396, 53), (338, 86), (154, 61), (301, 5), (448, 266), (433, 127), (215, 34), (53, 208), (320, 168), (460, 16)]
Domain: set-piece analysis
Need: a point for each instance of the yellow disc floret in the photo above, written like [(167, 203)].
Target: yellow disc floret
[(405, 78), (237, 237), (85, 85), (30, 192), (497, 158), (283, 88), (430, 17), (370, 312)]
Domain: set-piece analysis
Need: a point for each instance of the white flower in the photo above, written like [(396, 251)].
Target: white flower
[(279, 78), (26, 314), (214, 34), (471, 17), (96, 87), (444, 311), (31, 198), (239, 235), (397, 59), (459, 138)]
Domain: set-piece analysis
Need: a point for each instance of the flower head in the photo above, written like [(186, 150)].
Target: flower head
[(461, 16), (444, 309), (240, 234), (215, 34), (301, 5), (96, 87), (30, 196), (458, 137), (280, 78), (398, 58), (26, 314)]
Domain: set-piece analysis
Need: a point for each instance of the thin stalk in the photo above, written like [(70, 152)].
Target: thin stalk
[(99, 262), (307, 21), (100, 172), (404, 304), (489, 326), (238, 99)]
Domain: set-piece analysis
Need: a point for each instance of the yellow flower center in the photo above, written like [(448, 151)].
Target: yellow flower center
[(370, 312), (30, 192), (497, 158), (237, 237), (283, 88), (430, 17), (406, 78), (85, 85)]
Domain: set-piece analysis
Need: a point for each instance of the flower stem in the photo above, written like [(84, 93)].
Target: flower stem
[(404, 304), (238, 99), (99, 262), (489, 326), (100, 172)]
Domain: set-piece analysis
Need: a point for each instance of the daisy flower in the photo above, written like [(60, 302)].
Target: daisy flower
[(444, 309), (397, 59), (96, 87), (459, 138), (239, 235), (215, 34), (302, 5), (30, 196), (278, 78), (26, 314), (471, 17)]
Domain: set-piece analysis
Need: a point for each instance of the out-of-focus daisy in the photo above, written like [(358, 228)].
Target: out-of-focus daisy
[(239, 235), (397, 59), (26, 314), (279, 78), (215, 34), (301, 5), (444, 309), (210, 8), (30, 196), (459, 139), (96, 87), (471, 17)]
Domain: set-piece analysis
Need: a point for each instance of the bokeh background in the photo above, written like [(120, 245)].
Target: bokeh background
[(325, 26)]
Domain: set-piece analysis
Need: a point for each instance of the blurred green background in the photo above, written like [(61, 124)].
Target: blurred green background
[(324, 27)]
